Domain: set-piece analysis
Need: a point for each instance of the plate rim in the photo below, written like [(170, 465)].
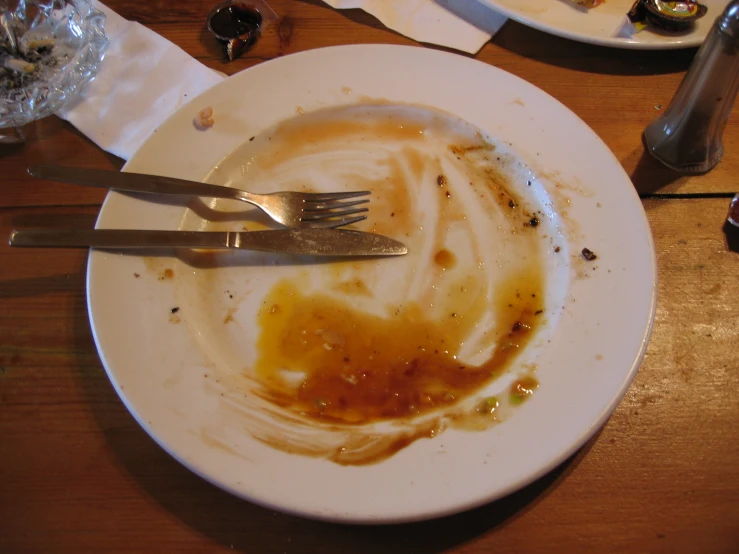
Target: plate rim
[(691, 41), (543, 469)]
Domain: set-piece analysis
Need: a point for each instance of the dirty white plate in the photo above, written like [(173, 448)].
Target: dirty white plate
[(605, 25), (178, 335)]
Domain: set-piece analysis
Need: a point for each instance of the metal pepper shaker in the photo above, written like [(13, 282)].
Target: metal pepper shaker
[(688, 136)]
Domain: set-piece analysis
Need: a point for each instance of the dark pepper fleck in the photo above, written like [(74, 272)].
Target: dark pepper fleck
[(588, 254), (534, 221), (174, 310)]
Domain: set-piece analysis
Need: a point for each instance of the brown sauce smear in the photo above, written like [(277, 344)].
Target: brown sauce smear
[(312, 135), (445, 259), (392, 199), (354, 287), (354, 367)]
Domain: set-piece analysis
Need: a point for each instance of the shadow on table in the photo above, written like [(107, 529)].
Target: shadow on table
[(114, 161), (247, 527), (732, 237), (54, 282), (10, 149), (649, 175), (49, 128), (553, 50), (569, 54), (51, 219)]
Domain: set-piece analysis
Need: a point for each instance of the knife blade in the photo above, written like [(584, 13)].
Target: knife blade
[(309, 242)]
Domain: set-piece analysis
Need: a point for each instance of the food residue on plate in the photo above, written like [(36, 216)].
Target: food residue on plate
[(321, 358), (588, 3), (412, 345), (204, 119), (588, 254)]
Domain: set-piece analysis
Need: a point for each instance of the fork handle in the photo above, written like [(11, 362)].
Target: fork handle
[(134, 182)]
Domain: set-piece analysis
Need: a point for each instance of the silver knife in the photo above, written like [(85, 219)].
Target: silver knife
[(309, 242)]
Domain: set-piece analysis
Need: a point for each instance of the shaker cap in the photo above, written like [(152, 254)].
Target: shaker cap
[(729, 20)]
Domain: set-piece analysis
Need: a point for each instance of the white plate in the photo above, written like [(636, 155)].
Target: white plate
[(606, 25), (182, 374)]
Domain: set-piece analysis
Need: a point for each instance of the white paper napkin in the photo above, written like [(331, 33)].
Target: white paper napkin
[(464, 25), (143, 79)]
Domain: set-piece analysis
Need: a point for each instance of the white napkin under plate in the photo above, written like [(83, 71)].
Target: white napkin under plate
[(143, 79), (464, 25)]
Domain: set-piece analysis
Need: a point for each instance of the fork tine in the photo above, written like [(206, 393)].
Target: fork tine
[(324, 196), (322, 206), (317, 216), (332, 223)]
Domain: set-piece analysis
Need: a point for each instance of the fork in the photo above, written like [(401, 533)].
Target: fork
[(298, 210)]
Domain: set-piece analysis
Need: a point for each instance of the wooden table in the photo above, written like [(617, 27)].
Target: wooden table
[(77, 474)]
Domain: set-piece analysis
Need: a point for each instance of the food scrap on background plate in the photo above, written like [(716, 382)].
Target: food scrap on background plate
[(669, 16), (588, 3)]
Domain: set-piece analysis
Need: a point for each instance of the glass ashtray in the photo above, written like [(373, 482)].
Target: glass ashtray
[(49, 49)]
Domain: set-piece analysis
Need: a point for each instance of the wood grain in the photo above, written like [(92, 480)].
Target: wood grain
[(662, 476), (77, 474)]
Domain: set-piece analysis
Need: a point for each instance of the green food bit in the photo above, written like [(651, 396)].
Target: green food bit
[(517, 399), (488, 405)]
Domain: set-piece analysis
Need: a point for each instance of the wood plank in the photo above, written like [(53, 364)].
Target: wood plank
[(79, 475)]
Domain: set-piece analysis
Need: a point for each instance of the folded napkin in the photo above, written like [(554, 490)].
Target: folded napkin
[(464, 25), (143, 80)]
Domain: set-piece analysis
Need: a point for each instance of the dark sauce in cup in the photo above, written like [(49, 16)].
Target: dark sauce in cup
[(235, 21), (237, 25)]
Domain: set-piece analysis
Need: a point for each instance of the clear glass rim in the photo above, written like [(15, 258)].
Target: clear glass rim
[(38, 100)]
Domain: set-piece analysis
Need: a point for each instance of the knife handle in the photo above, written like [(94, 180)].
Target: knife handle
[(118, 238)]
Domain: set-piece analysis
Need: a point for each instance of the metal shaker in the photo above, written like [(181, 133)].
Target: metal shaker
[(687, 137)]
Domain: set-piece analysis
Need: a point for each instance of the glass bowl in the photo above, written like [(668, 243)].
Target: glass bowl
[(60, 45)]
